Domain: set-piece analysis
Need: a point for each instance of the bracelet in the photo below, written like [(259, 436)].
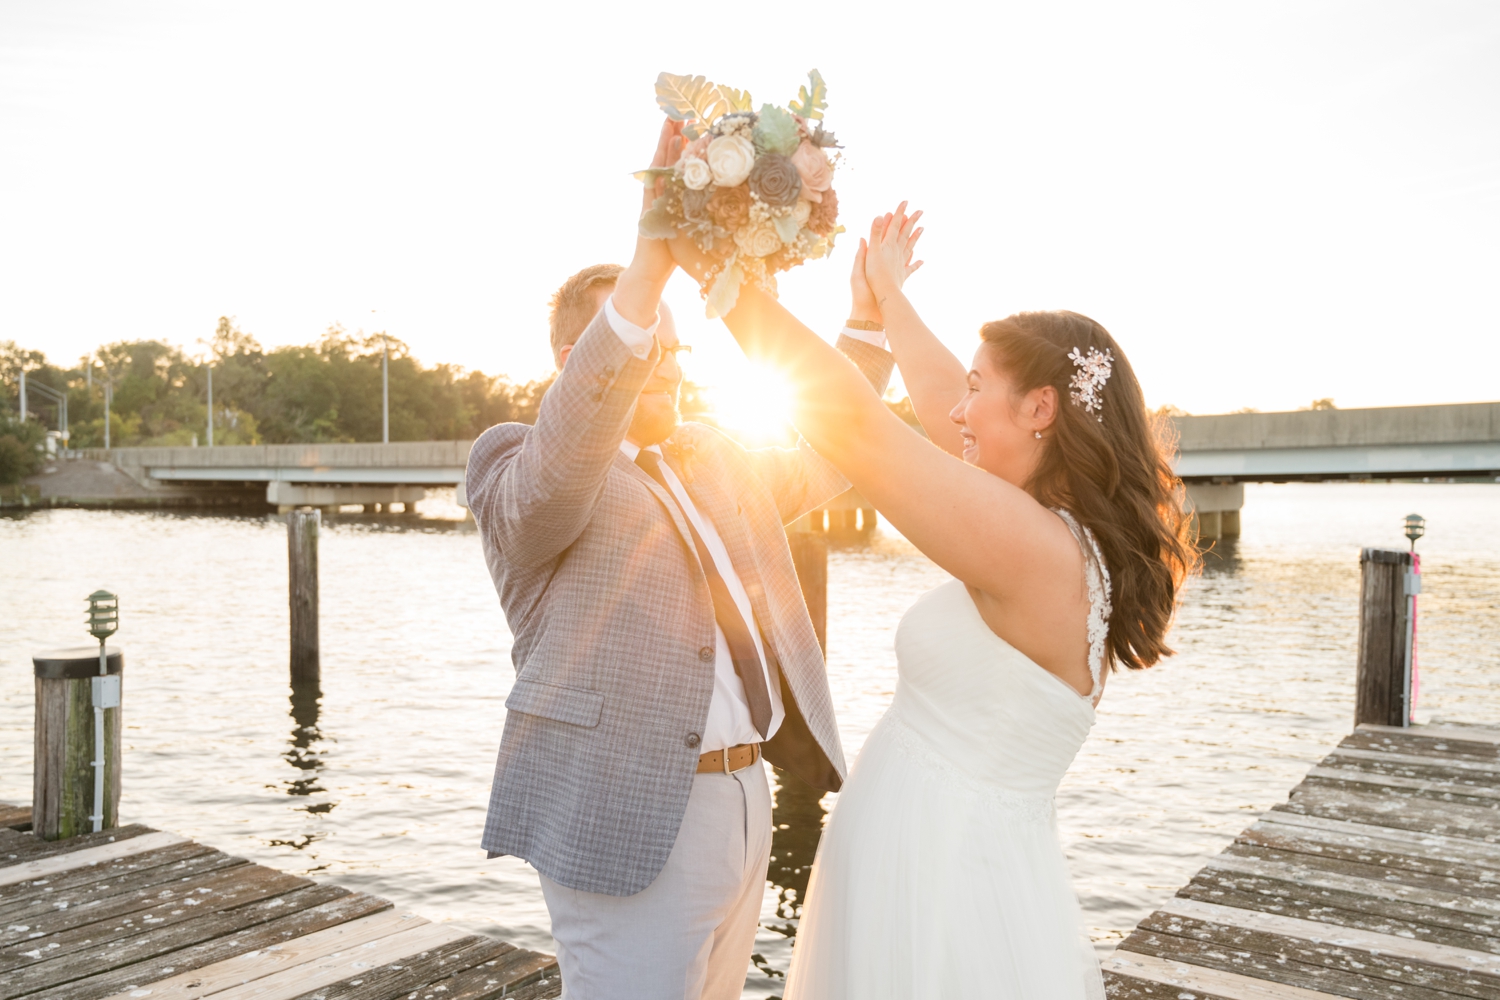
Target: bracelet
[(864, 324)]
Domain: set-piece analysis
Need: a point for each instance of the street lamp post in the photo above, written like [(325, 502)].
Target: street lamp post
[(210, 406), (61, 401), (385, 390)]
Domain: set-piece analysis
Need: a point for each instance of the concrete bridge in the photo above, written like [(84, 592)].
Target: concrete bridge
[(1218, 454), (376, 476)]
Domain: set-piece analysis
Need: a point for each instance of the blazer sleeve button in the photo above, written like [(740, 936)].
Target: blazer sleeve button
[(596, 397), (692, 739), (706, 654)]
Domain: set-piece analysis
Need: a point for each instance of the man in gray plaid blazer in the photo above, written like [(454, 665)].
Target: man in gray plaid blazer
[(661, 647)]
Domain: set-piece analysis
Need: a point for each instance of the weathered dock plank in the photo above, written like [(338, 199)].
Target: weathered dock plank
[(1378, 878), (344, 907), (136, 912)]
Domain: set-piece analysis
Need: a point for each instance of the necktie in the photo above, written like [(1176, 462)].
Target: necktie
[(741, 645)]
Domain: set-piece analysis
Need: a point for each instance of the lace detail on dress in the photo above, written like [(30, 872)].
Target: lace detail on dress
[(1096, 574), (910, 743)]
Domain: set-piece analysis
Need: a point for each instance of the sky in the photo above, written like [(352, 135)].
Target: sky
[(1265, 203)]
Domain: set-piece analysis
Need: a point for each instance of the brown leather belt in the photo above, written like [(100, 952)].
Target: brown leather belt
[(729, 760)]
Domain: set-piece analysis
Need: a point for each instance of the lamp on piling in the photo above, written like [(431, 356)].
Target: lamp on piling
[(1416, 527), (104, 619)]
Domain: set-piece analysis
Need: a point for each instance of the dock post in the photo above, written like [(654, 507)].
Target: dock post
[(302, 593), (810, 558), (1382, 694), (63, 775)]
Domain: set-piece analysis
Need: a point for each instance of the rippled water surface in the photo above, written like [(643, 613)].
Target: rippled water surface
[(381, 784)]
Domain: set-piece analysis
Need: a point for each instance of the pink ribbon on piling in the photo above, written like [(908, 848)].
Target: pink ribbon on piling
[(1416, 567)]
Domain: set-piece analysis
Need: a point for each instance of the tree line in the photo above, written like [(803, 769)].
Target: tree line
[(328, 391)]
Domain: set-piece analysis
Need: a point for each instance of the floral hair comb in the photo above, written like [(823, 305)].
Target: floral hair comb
[(1093, 371)]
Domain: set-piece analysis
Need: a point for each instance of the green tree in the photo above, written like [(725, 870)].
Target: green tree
[(20, 448)]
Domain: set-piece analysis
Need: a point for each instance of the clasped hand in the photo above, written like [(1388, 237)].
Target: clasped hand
[(883, 262)]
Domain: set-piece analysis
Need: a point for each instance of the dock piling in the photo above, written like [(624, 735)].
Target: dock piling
[(70, 718), (810, 558), (1383, 680), (302, 594)]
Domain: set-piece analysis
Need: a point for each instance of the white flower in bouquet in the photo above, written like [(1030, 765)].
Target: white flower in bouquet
[(741, 123), (696, 173), (758, 239), (802, 211), (731, 157)]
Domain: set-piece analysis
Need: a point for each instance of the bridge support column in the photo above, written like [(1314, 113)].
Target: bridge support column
[(288, 496), (1216, 509)]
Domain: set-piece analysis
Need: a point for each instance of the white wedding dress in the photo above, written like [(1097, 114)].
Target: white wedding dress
[(940, 876)]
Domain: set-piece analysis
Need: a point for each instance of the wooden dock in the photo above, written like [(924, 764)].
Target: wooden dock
[(135, 912), (1379, 879)]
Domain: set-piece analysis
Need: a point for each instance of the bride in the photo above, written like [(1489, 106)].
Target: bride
[(1044, 488)]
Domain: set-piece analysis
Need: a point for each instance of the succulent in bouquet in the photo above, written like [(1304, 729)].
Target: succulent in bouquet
[(754, 189)]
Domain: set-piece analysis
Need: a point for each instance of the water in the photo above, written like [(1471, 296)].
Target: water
[(383, 785)]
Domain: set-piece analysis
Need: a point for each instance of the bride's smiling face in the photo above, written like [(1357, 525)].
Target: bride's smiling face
[(999, 424)]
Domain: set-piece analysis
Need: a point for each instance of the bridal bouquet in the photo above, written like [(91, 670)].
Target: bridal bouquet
[(754, 189)]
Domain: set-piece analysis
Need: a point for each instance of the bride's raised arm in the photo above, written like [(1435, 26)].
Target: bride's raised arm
[(935, 378), (983, 530)]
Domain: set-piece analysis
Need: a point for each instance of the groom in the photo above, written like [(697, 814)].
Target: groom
[(662, 647)]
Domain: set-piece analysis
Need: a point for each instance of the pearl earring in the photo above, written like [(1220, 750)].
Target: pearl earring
[(1038, 435)]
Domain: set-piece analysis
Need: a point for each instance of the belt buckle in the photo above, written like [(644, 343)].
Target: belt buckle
[(725, 752)]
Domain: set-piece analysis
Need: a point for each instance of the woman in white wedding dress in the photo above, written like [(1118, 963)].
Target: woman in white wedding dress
[(940, 874)]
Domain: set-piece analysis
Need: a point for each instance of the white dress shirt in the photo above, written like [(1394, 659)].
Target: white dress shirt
[(729, 723), (875, 337)]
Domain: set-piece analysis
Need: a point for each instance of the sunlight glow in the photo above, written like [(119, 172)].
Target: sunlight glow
[(755, 406)]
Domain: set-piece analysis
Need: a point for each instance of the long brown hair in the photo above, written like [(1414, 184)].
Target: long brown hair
[(1112, 471)]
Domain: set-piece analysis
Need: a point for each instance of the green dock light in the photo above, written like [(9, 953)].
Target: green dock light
[(1416, 527), (104, 615), (104, 621)]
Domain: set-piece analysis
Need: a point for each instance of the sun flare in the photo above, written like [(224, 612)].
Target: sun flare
[(754, 404)]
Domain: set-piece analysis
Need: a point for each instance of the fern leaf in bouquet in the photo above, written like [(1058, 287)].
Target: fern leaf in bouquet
[(690, 98), (811, 103)]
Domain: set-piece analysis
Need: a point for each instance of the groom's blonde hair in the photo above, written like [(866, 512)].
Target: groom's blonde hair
[(573, 304)]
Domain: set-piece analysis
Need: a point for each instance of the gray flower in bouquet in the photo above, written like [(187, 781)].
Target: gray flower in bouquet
[(774, 180), (695, 205)]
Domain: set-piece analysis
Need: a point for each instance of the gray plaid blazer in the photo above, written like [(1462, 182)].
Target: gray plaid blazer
[(613, 623)]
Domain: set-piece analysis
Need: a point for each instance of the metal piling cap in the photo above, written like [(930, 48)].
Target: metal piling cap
[(74, 664)]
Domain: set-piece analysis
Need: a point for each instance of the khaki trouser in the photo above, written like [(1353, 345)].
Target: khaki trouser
[(689, 934)]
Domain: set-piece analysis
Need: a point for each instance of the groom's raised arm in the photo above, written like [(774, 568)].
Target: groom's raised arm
[(533, 491), (799, 478)]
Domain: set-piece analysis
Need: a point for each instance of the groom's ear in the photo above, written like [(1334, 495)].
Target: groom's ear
[(562, 355)]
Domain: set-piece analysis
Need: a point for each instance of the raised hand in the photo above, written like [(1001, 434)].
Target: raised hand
[(893, 241), (863, 305), (668, 151), (639, 289)]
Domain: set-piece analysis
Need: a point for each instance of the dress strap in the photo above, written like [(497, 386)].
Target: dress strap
[(1096, 574)]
